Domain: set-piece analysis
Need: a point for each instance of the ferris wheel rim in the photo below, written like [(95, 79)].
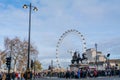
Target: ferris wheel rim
[(62, 38)]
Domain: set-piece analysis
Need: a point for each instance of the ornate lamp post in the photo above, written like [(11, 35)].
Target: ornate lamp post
[(30, 9)]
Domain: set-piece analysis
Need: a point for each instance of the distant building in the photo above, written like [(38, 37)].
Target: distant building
[(96, 59), (115, 63), (102, 61), (92, 56)]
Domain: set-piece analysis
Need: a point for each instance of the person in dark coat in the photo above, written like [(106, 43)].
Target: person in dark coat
[(13, 75), (119, 72), (68, 74)]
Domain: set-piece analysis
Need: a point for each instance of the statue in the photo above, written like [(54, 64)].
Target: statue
[(83, 57), (76, 58)]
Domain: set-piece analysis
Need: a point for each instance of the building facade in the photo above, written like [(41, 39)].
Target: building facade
[(94, 56), (96, 59)]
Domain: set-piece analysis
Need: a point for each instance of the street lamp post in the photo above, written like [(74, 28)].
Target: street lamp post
[(30, 9), (108, 64), (96, 56)]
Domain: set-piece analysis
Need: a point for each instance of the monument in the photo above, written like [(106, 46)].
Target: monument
[(77, 61)]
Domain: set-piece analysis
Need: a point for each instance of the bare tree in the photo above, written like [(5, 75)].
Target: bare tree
[(19, 51)]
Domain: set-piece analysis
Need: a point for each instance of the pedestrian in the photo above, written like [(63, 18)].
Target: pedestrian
[(13, 75), (95, 73), (31, 75), (105, 72), (16, 75), (4, 76), (68, 74), (109, 72), (22, 76), (119, 72), (19, 76), (0, 76), (78, 73), (72, 74), (25, 75)]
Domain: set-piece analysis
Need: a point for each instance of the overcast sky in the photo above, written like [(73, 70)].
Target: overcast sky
[(97, 20)]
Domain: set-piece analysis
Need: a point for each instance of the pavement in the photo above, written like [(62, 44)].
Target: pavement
[(98, 78)]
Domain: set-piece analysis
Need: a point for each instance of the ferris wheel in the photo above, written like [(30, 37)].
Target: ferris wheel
[(62, 37)]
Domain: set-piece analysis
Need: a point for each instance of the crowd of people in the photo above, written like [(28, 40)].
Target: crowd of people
[(85, 73), (76, 74), (13, 76), (90, 73)]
